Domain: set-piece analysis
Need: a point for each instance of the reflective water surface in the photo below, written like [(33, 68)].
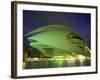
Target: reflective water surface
[(56, 64)]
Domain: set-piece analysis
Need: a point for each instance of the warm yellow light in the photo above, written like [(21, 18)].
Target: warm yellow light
[(58, 58), (35, 59), (81, 57), (70, 58)]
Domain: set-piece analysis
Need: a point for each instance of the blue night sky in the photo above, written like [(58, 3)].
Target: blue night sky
[(79, 22)]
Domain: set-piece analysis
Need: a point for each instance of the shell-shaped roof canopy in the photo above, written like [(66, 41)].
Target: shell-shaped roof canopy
[(61, 39)]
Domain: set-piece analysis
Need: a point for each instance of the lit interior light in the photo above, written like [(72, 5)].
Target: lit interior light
[(58, 58), (70, 58), (81, 57), (36, 59)]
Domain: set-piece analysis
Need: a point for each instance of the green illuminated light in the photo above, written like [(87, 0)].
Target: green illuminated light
[(59, 39)]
